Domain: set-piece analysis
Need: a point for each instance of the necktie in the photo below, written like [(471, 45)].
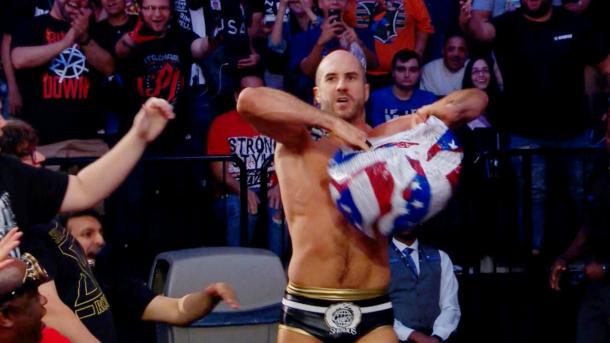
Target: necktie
[(411, 264)]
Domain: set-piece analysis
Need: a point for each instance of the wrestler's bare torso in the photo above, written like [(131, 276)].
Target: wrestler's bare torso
[(327, 251)]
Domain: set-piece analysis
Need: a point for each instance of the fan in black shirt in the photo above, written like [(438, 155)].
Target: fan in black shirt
[(30, 196)]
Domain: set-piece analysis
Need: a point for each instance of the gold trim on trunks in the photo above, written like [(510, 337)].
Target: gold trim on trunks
[(295, 330), (335, 294)]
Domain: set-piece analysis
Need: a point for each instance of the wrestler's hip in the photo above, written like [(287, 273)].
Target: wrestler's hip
[(360, 272)]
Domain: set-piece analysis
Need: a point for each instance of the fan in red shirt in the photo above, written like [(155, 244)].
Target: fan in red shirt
[(230, 134)]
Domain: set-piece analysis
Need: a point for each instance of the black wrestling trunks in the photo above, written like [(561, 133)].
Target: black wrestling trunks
[(335, 315)]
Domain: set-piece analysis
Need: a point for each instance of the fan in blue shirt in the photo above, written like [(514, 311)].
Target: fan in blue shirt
[(404, 96)]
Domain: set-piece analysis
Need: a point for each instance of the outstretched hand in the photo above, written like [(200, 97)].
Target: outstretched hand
[(465, 11), (152, 118), (221, 291)]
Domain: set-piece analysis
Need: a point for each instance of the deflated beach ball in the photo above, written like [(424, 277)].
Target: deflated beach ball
[(403, 180)]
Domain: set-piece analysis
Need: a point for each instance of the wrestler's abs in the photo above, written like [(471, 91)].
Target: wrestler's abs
[(327, 251)]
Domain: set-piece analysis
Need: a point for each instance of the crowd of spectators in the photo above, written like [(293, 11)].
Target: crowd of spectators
[(76, 71)]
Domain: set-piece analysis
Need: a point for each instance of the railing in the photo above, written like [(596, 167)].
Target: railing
[(265, 205), (503, 163), (80, 161), (494, 305)]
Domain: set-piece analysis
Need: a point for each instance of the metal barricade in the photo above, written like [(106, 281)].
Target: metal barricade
[(81, 161), (588, 158)]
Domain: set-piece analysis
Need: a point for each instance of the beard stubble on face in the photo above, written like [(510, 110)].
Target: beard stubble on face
[(351, 114)]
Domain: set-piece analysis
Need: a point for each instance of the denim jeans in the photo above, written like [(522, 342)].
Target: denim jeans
[(573, 164), (277, 234)]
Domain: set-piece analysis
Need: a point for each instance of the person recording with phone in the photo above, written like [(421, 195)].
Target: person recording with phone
[(309, 47), (291, 18)]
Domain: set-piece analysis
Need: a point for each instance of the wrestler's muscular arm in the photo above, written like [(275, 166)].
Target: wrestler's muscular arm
[(455, 109), (458, 107), (286, 119)]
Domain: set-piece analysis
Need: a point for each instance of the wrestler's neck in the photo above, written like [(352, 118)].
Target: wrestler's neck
[(360, 122)]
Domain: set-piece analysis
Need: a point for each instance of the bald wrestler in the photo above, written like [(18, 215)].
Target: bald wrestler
[(338, 275)]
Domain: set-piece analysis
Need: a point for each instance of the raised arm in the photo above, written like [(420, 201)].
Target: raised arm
[(455, 109), (476, 23), (25, 57), (276, 37), (99, 58), (286, 119), (190, 307), (349, 37), (458, 107), (99, 179), (329, 30)]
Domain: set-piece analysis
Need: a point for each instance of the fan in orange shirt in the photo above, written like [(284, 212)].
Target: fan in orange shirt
[(396, 25)]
